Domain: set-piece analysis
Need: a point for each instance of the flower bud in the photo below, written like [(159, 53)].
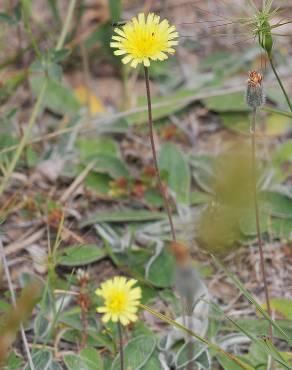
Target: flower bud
[(266, 38), (254, 92)]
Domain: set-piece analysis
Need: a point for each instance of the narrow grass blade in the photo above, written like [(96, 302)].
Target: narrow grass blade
[(212, 346), (250, 298)]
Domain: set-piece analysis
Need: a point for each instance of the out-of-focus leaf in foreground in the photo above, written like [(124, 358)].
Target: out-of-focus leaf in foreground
[(233, 199), (11, 322)]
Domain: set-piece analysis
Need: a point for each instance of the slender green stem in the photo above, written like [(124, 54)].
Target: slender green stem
[(151, 134), (279, 81), (257, 216), (64, 31), (120, 333), (277, 111), (27, 25)]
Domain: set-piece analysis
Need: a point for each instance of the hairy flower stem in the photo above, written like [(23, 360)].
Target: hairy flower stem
[(258, 229), (151, 134), (190, 344), (279, 81), (121, 345)]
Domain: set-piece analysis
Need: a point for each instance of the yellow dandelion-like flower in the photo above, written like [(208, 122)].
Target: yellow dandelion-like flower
[(143, 39), (121, 300)]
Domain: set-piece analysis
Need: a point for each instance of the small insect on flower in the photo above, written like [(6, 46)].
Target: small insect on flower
[(254, 92), (143, 39), (119, 24), (121, 300)]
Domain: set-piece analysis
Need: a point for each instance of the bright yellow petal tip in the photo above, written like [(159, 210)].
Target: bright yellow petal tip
[(121, 300), (144, 38)]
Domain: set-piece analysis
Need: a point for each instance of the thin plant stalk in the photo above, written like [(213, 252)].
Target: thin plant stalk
[(65, 28), (13, 299), (163, 190), (121, 348), (279, 81), (257, 216), (151, 134)]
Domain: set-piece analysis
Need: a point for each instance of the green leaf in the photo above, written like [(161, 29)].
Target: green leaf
[(197, 197), (135, 260), (136, 353), (59, 55), (90, 146), (203, 171), (115, 7), (88, 359), (123, 216), (155, 275), (95, 338), (227, 364), (198, 349), (173, 162), (153, 197), (111, 165), (58, 98), (236, 121), (227, 103), (80, 255), (42, 359), (272, 125), (163, 106), (55, 366), (282, 161), (276, 125), (282, 228), (13, 362), (276, 204), (153, 363), (257, 356), (99, 182), (248, 223), (260, 327), (282, 306)]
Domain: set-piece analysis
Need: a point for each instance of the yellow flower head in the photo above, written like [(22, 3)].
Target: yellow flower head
[(142, 39), (121, 300)]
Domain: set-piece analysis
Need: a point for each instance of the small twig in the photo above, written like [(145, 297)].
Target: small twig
[(79, 179), (151, 134), (23, 243), (258, 229), (13, 299), (121, 345)]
